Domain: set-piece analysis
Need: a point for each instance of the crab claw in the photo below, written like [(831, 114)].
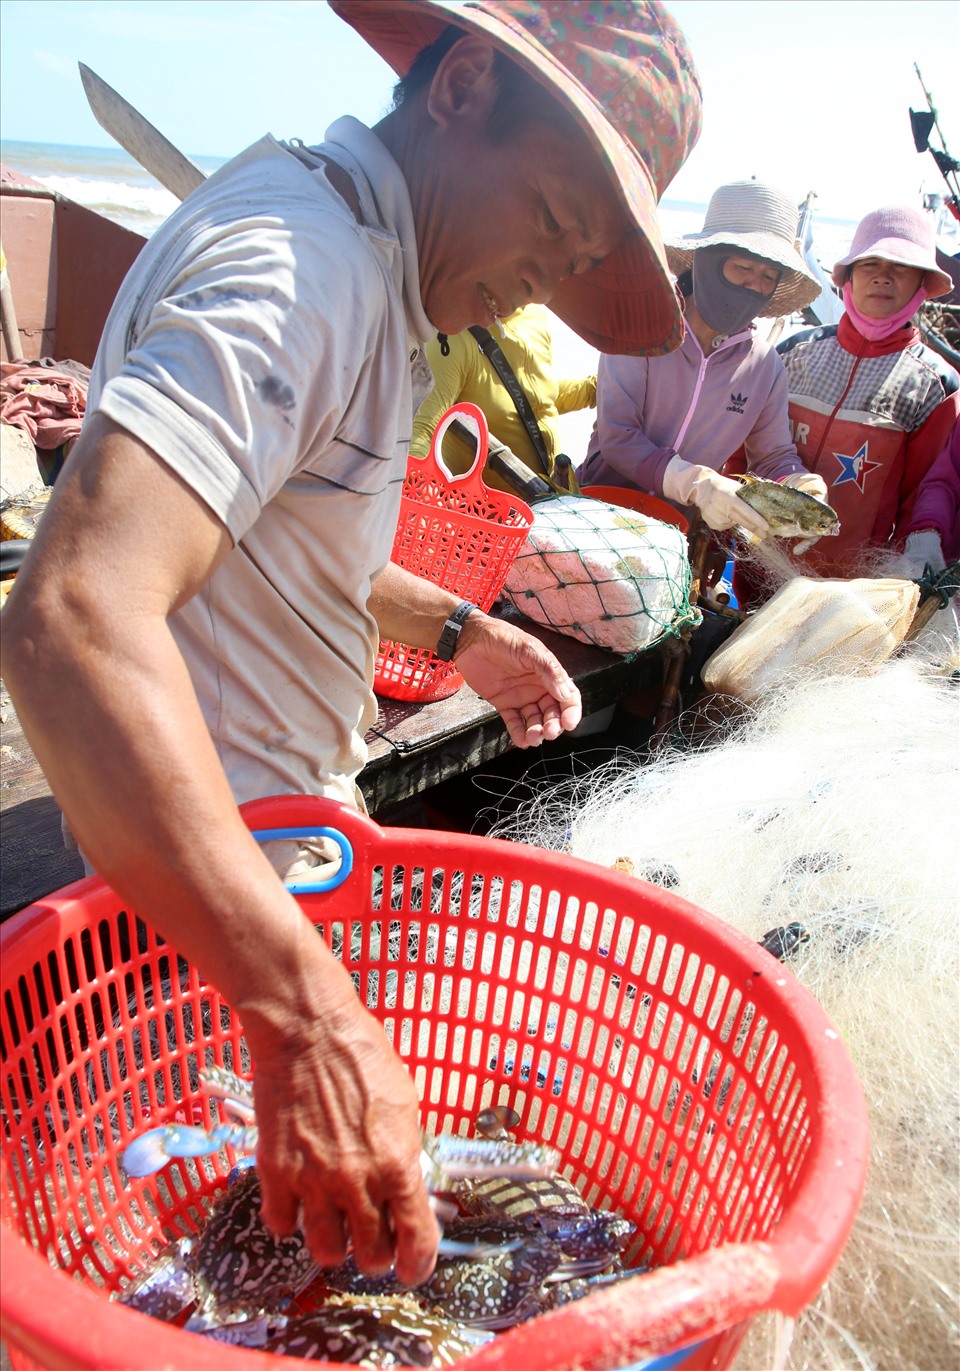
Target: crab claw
[(155, 1148), (184, 1140), (146, 1154)]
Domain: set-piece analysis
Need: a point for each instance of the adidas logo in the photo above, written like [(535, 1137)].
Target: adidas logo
[(737, 403)]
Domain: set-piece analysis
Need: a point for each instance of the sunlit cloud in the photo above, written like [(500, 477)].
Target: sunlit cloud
[(63, 66)]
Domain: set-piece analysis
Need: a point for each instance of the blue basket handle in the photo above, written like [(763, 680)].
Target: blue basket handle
[(667, 1361), (305, 885)]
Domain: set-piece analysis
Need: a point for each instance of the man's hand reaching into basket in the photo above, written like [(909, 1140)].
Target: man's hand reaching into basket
[(337, 1109), (513, 670)]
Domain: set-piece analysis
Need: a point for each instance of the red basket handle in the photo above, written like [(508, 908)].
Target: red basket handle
[(471, 480), (312, 814)]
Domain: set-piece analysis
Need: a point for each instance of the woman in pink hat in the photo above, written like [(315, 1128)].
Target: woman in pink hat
[(870, 406)]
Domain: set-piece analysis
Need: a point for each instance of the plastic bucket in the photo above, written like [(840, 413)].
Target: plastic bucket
[(458, 533), (688, 1080), (651, 505)]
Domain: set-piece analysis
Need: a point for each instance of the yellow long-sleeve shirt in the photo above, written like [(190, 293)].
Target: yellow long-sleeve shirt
[(467, 375)]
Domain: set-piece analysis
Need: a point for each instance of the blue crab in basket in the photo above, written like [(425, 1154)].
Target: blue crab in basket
[(588, 1239), (237, 1271), (445, 1161)]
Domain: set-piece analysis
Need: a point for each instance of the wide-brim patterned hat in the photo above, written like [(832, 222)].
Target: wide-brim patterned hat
[(898, 233), (623, 70), (761, 220)]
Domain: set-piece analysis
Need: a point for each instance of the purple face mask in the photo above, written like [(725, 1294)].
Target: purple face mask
[(724, 306)]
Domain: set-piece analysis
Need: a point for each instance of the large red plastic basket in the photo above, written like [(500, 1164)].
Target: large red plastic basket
[(686, 1077), (458, 533)]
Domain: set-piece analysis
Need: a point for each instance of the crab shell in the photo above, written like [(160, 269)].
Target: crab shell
[(240, 1268), (499, 1290), (348, 1279), (589, 1238), (503, 1197), (165, 1288), (376, 1332)]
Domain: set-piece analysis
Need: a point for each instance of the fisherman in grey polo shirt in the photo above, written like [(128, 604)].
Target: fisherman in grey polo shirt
[(197, 621)]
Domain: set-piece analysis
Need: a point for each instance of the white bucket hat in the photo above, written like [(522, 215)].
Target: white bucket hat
[(897, 233), (761, 220)]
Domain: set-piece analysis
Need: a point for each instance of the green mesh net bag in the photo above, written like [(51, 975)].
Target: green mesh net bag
[(604, 574)]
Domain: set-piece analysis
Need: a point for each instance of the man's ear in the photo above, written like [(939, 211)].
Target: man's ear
[(464, 86)]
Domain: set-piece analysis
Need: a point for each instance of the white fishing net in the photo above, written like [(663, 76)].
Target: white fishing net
[(829, 812)]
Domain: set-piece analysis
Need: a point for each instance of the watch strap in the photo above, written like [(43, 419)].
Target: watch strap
[(451, 630)]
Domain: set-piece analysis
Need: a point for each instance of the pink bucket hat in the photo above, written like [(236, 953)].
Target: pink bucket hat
[(897, 233), (623, 70)]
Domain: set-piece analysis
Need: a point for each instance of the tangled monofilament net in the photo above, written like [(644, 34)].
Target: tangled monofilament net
[(832, 804)]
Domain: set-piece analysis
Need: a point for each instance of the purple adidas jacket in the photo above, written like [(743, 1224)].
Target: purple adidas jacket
[(703, 408)]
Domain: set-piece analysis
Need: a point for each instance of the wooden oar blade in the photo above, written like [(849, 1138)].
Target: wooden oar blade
[(137, 135)]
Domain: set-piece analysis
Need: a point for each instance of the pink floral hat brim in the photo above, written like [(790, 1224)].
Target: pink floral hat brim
[(623, 69)]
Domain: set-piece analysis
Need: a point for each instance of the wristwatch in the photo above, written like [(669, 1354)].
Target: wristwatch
[(451, 630)]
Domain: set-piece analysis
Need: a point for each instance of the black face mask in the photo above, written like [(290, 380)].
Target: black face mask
[(725, 307)]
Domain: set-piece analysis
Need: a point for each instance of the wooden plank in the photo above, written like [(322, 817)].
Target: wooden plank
[(29, 242), (34, 859), (413, 747)]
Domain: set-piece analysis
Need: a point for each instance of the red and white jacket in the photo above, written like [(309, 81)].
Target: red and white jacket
[(870, 418)]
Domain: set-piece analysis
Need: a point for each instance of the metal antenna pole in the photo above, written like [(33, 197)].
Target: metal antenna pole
[(955, 185)]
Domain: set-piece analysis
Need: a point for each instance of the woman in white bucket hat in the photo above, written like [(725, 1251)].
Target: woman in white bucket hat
[(667, 425), (870, 406)]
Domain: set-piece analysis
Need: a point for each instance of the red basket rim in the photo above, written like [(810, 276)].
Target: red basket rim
[(650, 505)]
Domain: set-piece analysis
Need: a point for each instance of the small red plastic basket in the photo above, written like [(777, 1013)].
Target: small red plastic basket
[(688, 1080), (458, 533)]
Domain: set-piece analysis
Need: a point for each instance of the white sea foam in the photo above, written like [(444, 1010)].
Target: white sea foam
[(106, 180), (140, 207)]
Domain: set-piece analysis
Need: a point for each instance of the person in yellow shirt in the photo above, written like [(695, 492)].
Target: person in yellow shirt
[(461, 371)]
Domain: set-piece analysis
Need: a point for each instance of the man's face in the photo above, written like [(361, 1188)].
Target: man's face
[(499, 227)]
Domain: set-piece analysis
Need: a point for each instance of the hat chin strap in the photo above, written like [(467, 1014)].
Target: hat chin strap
[(724, 306)]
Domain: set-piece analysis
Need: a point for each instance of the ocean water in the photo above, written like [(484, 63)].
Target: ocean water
[(107, 180)]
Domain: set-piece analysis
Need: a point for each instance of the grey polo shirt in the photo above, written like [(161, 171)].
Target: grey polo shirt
[(263, 346)]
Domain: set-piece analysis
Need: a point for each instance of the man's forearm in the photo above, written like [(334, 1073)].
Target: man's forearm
[(409, 609), (130, 761)]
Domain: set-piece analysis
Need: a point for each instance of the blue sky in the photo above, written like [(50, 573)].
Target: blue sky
[(810, 94)]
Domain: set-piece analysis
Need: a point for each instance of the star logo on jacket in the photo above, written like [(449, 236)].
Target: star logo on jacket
[(856, 468), (737, 403)]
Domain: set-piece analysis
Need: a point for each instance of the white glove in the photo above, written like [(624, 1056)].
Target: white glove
[(809, 483), (920, 548), (714, 495)]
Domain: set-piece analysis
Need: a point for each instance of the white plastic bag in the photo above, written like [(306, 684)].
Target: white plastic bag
[(819, 626)]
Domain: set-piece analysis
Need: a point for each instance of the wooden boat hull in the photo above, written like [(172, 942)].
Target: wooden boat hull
[(65, 264)]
